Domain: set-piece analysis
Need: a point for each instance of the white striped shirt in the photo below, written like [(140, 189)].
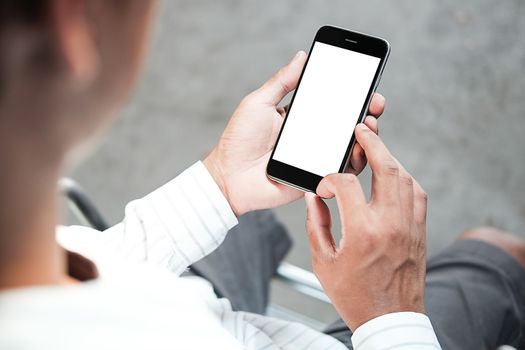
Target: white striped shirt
[(140, 302)]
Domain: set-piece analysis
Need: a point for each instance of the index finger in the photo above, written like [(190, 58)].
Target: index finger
[(385, 169), (347, 191)]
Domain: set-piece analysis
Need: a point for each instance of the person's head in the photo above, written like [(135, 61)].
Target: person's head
[(66, 67)]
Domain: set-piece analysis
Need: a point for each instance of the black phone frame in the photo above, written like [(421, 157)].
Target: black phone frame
[(346, 39)]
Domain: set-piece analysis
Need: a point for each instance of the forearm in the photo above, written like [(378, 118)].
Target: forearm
[(175, 225)]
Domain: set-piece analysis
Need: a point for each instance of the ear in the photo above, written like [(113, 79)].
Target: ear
[(74, 41)]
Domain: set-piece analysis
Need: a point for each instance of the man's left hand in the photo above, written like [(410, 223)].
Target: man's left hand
[(238, 163)]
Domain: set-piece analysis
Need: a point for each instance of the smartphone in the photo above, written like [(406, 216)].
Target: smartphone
[(341, 74)]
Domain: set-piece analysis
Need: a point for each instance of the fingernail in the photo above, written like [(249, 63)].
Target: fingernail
[(362, 126)]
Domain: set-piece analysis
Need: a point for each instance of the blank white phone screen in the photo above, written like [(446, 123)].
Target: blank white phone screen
[(325, 109)]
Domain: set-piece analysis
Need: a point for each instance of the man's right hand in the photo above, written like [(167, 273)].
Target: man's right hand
[(378, 267)]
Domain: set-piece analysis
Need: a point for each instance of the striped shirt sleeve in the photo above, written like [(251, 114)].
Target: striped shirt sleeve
[(175, 225), (400, 331)]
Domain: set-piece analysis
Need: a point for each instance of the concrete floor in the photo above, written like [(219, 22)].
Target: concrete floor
[(455, 89)]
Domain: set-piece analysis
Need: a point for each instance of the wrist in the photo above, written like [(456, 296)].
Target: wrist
[(213, 166)]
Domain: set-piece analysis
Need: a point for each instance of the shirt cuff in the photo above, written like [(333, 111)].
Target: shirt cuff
[(400, 330)]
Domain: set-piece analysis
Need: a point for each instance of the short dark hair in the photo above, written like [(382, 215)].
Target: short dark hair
[(21, 10), (17, 11)]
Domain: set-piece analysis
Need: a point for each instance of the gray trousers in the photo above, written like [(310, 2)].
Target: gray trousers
[(475, 292), (243, 266)]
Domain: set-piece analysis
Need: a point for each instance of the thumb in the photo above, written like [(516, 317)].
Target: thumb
[(284, 81), (318, 226)]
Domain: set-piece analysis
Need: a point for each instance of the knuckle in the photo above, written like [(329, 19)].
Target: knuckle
[(398, 237), (369, 242), (336, 180), (395, 229), (421, 194), (390, 167), (366, 131), (422, 237), (406, 179), (331, 178), (367, 135), (424, 196), (348, 179)]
